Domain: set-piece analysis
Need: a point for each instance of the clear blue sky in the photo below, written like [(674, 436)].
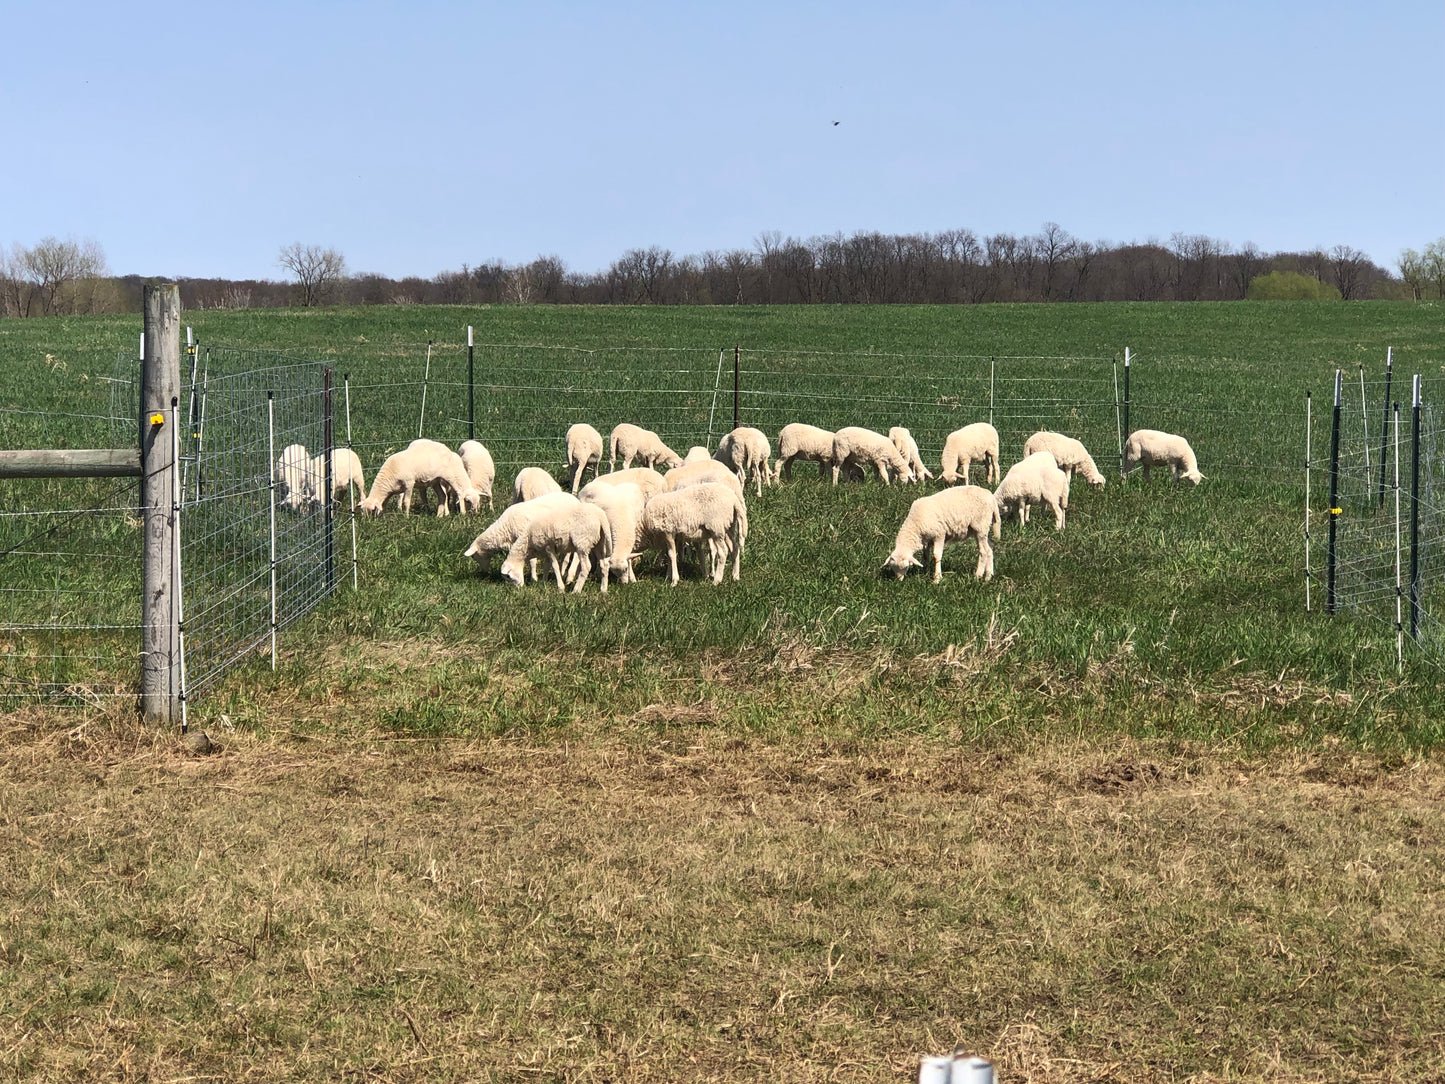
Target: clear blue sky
[(197, 139)]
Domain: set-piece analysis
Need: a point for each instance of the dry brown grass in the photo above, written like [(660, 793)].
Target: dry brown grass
[(662, 898)]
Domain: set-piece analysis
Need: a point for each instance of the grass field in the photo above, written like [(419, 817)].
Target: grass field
[(1126, 812)]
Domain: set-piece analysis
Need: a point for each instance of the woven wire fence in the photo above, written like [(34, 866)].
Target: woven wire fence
[(524, 398), (241, 409)]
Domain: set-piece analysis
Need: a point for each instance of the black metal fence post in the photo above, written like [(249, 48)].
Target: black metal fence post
[(1334, 509), (1415, 511)]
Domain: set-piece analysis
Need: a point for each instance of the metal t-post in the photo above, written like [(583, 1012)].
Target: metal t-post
[(1415, 511), (1334, 509)]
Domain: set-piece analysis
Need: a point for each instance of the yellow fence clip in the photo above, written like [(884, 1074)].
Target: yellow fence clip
[(1336, 511), (158, 418)]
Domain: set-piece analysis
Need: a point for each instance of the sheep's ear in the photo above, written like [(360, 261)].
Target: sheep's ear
[(914, 562)]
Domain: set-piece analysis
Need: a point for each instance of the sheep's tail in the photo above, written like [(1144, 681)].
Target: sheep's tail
[(612, 451), (995, 519)]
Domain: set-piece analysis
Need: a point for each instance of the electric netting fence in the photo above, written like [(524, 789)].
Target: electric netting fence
[(932, 395)]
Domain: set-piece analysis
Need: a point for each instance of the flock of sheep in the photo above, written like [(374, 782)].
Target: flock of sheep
[(668, 501)]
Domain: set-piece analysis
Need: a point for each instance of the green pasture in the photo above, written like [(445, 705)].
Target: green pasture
[(1159, 610)]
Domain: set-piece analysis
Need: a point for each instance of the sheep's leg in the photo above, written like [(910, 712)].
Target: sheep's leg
[(672, 557), (405, 499), (584, 569), (556, 570), (837, 469), (984, 571), (718, 550), (1145, 464), (737, 549), (882, 471), (938, 559), (577, 477), (1058, 515), (534, 570)]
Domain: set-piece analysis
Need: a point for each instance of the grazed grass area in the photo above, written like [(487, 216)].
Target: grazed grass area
[(657, 894)]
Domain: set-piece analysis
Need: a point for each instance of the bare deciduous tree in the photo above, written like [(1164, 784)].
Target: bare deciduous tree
[(1347, 264), (317, 270), (53, 278)]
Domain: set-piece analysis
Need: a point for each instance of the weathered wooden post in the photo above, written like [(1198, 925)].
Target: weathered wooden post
[(160, 660)]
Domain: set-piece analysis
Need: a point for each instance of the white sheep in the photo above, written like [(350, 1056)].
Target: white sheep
[(908, 448), (423, 464), (747, 451), (978, 441), (634, 442), (696, 454), (708, 512), (584, 449), (345, 472), (799, 441), (623, 504), (1070, 454), (531, 483), (1035, 479), (1150, 447), (855, 446), (692, 474), (645, 478), (479, 467), (505, 529), (581, 532), (947, 516), (293, 471)]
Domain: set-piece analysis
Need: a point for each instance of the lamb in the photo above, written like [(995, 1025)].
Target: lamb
[(623, 504), (584, 449), (531, 483), (1150, 447), (1035, 479), (799, 441), (707, 512), (345, 472), (1070, 454), (747, 451), (424, 463), (691, 474), (506, 528), (645, 478), (947, 516), (963, 446), (581, 532), (479, 466), (293, 471), (633, 442), (908, 448), (854, 445), (696, 454)]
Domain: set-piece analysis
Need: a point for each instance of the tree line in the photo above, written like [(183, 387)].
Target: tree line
[(866, 267)]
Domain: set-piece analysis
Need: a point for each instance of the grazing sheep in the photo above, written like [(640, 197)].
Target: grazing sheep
[(479, 467), (708, 512), (691, 474), (623, 504), (505, 529), (747, 451), (423, 464), (645, 478), (854, 445), (947, 516), (1035, 479), (531, 483), (581, 532), (908, 448), (345, 472), (1150, 447), (696, 454), (963, 446), (293, 471), (584, 449), (1070, 454), (799, 441), (634, 442)]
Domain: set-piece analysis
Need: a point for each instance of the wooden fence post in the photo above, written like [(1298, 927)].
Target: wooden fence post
[(160, 661)]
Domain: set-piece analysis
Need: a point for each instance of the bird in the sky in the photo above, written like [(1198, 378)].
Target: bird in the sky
[(835, 124)]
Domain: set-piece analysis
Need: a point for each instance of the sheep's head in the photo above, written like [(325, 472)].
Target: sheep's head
[(671, 460), (472, 500), (369, 507), (1094, 478), (1193, 477), (515, 570), (899, 562)]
